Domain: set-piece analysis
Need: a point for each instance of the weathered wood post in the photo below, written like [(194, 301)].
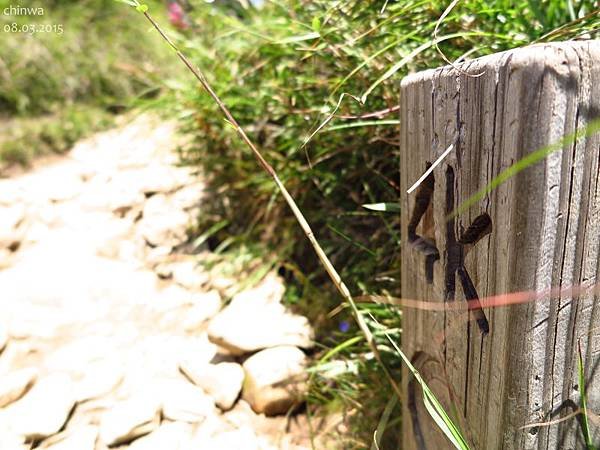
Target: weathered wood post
[(506, 367)]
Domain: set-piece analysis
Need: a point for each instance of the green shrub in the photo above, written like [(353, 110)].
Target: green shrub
[(26, 138), (56, 87), (281, 70), (94, 59)]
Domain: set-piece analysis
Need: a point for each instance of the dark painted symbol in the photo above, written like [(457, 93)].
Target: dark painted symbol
[(420, 243), (456, 249)]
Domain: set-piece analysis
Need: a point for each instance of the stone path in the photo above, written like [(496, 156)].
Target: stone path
[(111, 335)]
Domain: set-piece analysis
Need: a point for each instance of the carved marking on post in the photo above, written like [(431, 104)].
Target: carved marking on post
[(421, 243), (456, 251)]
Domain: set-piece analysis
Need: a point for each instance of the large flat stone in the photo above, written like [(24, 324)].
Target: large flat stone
[(255, 319), (99, 379), (129, 419), (275, 380), (163, 224), (45, 409), (189, 275), (241, 439), (82, 438), (11, 229), (15, 384), (169, 436), (222, 381), (182, 401), (3, 332)]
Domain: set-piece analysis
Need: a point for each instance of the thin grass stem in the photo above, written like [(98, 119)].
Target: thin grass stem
[(323, 258)]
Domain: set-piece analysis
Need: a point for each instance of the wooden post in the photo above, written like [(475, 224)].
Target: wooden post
[(502, 368)]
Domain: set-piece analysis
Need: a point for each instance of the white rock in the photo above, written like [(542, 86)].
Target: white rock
[(108, 240), (6, 257), (11, 441), (210, 427), (13, 356), (269, 290), (157, 255), (189, 275), (162, 224), (156, 178), (100, 378), (58, 183), (275, 379), (4, 332), (83, 438), (45, 409), (182, 401), (10, 192), (12, 216), (222, 381), (242, 415), (171, 296), (169, 436), (241, 439), (11, 225), (158, 204), (48, 215), (129, 419), (114, 194), (255, 319), (166, 230), (15, 384), (204, 307), (163, 271), (132, 251), (189, 196), (124, 200), (162, 355), (220, 282), (78, 355)]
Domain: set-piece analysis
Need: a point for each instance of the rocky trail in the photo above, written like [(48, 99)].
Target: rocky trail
[(112, 335)]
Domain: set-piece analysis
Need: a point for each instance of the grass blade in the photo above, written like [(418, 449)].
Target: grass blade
[(433, 406), (322, 256), (385, 207), (396, 67), (584, 413), (364, 123), (211, 231), (385, 418)]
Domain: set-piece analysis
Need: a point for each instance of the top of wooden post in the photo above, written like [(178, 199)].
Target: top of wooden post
[(534, 234)]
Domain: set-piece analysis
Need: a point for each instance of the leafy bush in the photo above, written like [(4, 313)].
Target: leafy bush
[(94, 59), (24, 139), (282, 70), (85, 66)]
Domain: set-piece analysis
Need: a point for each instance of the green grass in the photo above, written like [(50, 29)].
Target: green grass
[(306, 72), (314, 84), (584, 411), (24, 139), (56, 87)]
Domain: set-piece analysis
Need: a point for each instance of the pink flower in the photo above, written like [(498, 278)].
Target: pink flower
[(177, 16)]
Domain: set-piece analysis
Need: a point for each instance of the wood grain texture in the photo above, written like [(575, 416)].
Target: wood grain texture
[(545, 233)]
